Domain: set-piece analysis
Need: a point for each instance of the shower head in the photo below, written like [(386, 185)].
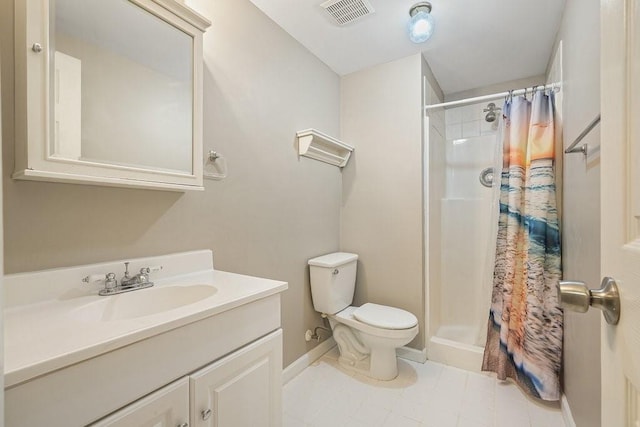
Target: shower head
[(491, 112)]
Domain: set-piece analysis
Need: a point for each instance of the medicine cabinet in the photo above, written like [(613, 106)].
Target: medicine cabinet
[(109, 93)]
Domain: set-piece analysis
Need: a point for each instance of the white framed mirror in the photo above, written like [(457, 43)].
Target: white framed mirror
[(113, 93)]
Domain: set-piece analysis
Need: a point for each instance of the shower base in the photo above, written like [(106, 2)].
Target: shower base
[(461, 334), (451, 346)]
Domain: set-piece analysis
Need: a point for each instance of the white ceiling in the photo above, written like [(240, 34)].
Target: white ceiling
[(475, 43)]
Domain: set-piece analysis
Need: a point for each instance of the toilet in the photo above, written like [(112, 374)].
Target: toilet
[(367, 336)]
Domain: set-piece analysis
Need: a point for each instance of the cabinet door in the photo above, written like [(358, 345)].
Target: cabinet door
[(167, 407), (243, 389)]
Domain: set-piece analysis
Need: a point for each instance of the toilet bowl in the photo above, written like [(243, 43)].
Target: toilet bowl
[(367, 336), (371, 349)]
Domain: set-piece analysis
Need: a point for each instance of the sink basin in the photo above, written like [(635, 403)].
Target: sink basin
[(143, 302)]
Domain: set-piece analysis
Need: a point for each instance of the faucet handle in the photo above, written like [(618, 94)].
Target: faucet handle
[(152, 269), (109, 280), (92, 278)]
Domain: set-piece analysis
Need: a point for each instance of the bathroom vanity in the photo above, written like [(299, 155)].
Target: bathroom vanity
[(199, 348)]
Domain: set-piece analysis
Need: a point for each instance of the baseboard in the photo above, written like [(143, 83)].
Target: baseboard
[(412, 354), (566, 412), (307, 359)]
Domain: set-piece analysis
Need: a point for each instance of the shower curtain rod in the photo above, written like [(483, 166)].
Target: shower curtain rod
[(554, 86)]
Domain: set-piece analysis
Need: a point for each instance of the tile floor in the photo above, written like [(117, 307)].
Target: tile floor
[(426, 395)]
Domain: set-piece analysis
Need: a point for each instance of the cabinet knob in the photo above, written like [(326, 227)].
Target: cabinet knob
[(206, 414)]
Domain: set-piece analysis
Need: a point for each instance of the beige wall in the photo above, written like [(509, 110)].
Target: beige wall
[(382, 185), (581, 204), (270, 215)]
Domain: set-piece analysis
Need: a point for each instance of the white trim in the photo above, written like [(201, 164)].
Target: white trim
[(566, 412), (186, 13), (412, 354), (307, 359), (77, 178)]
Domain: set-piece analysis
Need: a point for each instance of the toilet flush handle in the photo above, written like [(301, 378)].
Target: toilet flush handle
[(336, 271)]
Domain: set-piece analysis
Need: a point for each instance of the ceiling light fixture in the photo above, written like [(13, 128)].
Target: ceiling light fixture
[(421, 23)]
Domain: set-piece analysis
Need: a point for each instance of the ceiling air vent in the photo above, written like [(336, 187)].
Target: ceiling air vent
[(346, 11)]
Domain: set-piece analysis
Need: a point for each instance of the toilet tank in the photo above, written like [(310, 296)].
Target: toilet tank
[(333, 281)]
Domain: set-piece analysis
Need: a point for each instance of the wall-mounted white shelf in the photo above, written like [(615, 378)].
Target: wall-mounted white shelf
[(324, 148)]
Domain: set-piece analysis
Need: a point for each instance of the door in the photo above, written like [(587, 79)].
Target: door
[(620, 207), (166, 407), (1, 284), (243, 389)]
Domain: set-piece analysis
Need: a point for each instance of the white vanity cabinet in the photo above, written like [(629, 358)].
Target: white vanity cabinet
[(167, 407), (175, 355), (242, 390), (232, 361)]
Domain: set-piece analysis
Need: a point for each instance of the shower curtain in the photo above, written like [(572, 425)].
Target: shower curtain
[(524, 334)]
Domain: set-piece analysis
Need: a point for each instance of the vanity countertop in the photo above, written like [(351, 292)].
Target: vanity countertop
[(50, 334)]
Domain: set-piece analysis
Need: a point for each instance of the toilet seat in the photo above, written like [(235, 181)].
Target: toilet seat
[(382, 316), (347, 317)]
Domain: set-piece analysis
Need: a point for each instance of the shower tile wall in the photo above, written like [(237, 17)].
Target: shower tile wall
[(465, 223), (468, 122)]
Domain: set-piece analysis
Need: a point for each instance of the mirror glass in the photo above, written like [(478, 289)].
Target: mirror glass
[(122, 86)]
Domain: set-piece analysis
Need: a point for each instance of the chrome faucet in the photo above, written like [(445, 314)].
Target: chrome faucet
[(127, 280), (139, 279), (127, 283)]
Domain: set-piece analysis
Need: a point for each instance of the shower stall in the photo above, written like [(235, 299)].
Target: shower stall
[(461, 205)]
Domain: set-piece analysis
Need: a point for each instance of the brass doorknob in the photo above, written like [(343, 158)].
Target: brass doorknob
[(576, 296)]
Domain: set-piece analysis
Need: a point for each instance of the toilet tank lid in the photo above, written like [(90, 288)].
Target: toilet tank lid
[(385, 317), (335, 259)]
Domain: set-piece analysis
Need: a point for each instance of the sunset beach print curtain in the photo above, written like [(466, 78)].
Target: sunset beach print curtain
[(524, 339)]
